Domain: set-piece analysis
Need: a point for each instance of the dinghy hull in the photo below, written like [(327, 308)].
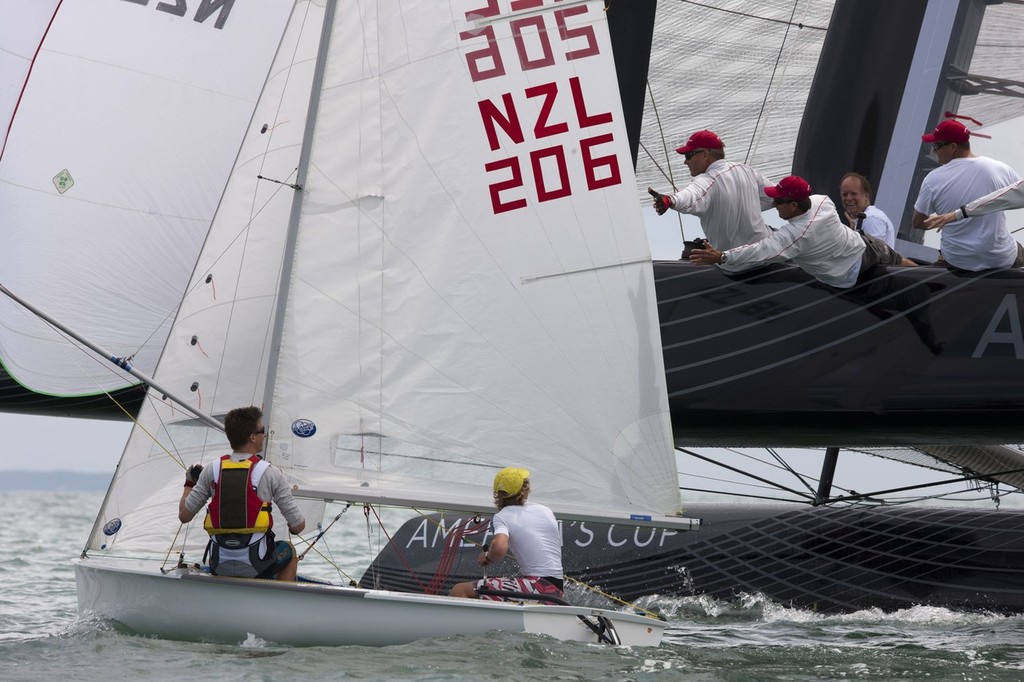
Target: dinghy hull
[(191, 605)]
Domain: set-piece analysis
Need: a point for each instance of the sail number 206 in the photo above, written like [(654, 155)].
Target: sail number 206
[(542, 39)]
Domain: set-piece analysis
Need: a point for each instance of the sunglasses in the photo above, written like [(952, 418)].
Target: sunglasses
[(263, 430), (776, 202), (936, 146), (692, 153)]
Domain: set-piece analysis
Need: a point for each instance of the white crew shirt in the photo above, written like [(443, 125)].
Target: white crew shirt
[(533, 538), (817, 240), (728, 198), (979, 242), (878, 225)]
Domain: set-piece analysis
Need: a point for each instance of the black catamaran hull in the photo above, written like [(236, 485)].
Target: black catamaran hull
[(913, 356), (773, 358), (828, 559)]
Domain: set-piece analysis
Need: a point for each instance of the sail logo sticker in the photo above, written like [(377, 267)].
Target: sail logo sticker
[(303, 428), (111, 527), (63, 181)]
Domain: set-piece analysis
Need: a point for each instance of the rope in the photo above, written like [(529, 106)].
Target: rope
[(450, 552), (768, 90)]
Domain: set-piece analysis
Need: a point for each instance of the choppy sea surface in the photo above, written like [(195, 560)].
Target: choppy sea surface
[(42, 636)]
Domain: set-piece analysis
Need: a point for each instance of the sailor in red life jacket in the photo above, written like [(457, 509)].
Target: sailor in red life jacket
[(239, 520), (813, 238)]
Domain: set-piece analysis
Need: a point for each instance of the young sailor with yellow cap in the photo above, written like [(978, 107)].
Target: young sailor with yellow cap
[(527, 529)]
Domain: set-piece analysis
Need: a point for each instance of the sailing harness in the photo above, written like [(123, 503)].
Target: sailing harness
[(237, 518)]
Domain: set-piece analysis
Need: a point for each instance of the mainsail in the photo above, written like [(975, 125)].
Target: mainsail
[(465, 278)]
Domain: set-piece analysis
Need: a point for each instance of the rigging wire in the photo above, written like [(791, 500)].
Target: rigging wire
[(755, 16), (664, 147), (768, 90)]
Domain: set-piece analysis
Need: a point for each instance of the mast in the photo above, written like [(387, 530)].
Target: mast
[(296, 213)]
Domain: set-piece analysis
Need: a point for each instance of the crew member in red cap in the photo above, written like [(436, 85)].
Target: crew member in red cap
[(530, 532), (974, 242), (813, 237), (725, 195)]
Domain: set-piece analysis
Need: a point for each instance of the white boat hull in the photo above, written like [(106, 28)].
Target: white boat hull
[(190, 605)]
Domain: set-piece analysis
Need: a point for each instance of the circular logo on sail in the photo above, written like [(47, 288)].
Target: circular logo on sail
[(111, 527), (303, 428)]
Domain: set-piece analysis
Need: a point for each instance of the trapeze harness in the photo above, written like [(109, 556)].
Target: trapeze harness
[(238, 521)]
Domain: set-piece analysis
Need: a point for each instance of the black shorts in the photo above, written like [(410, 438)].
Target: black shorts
[(877, 252)]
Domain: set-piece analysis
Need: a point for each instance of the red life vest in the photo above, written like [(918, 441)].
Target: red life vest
[(235, 507)]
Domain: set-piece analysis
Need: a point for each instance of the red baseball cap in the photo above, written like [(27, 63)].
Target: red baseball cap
[(702, 139), (948, 131), (792, 188)]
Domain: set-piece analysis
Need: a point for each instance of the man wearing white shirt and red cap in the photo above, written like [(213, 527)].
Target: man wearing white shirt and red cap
[(813, 237), (975, 242), (725, 195)]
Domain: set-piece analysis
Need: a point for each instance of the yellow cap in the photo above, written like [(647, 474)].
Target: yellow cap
[(509, 481)]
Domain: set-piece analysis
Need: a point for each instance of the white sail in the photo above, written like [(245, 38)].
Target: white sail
[(436, 328), (471, 280), (121, 121)]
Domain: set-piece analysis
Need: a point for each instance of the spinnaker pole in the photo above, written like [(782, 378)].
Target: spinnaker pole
[(123, 363)]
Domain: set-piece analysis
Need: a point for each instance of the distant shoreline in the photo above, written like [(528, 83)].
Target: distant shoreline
[(54, 480)]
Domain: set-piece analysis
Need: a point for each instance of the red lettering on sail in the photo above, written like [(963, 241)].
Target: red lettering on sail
[(520, 29), (548, 91), (549, 166), (491, 53), (531, 38), (509, 120), (544, 192), (585, 119), (591, 163), (584, 32), (496, 188)]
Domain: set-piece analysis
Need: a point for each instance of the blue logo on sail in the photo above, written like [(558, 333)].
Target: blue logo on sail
[(111, 527), (303, 428)]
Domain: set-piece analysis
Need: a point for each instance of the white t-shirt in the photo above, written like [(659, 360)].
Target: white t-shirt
[(533, 538), (877, 224), (816, 240), (728, 198), (978, 242)]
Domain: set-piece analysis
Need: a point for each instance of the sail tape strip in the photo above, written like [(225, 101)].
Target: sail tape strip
[(533, 278)]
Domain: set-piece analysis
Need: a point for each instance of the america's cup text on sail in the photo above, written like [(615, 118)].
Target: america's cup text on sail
[(524, 120), (205, 9), (430, 535)]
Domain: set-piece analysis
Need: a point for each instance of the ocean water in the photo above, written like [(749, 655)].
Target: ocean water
[(42, 636)]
